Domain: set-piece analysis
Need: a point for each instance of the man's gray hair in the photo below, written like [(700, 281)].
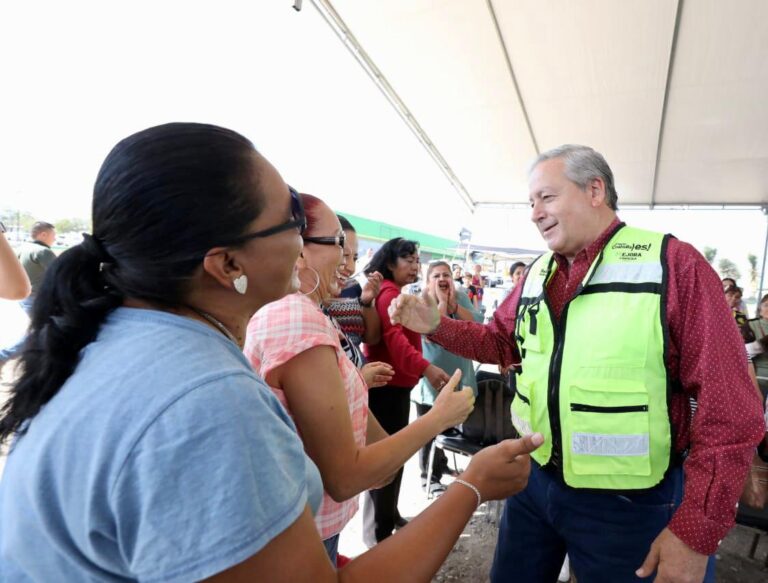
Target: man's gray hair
[(583, 164)]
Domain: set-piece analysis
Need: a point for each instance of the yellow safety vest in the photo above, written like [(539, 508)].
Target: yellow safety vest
[(595, 384)]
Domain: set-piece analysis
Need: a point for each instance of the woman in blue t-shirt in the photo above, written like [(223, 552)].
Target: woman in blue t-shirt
[(144, 447)]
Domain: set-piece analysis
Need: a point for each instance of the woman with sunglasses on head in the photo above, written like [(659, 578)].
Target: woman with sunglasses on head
[(144, 447), (313, 368)]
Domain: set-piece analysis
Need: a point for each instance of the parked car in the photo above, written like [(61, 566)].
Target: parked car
[(493, 279)]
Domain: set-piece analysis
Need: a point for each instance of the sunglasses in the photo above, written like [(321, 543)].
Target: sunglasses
[(339, 240), (298, 221)]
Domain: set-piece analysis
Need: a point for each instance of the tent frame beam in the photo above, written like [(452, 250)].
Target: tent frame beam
[(662, 121), (761, 289), (336, 23), (511, 70)]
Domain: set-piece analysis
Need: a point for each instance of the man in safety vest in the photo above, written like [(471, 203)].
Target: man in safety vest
[(615, 330)]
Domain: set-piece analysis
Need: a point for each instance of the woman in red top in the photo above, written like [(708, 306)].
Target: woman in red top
[(398, 262)]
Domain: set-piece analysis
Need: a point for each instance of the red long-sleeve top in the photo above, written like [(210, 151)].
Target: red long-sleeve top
[(707, 357), (398, 346)]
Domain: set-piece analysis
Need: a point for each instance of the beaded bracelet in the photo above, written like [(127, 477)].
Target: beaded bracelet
[(471, 487)]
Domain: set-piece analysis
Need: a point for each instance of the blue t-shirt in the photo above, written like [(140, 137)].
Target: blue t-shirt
[(163, 458)]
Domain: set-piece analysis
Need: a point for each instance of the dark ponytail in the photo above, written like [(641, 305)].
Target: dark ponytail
[(163, 198)]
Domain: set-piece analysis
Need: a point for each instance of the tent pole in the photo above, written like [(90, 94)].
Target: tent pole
[(765, 251)]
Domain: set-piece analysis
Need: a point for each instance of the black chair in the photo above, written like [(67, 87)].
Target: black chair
[(455, 442)]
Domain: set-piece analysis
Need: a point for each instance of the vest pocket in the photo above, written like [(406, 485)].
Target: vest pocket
[(606, 428)]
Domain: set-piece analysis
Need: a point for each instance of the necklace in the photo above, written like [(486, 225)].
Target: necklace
[(221, 327)]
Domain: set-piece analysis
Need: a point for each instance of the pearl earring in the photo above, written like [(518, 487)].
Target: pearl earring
[(241, 284)]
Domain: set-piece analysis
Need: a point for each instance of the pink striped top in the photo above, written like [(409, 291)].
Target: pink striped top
[(284, 329)]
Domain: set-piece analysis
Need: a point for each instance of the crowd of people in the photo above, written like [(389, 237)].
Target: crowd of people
[(207, 400)]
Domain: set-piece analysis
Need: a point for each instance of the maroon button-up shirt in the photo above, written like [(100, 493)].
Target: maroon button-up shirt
[(706, 355)]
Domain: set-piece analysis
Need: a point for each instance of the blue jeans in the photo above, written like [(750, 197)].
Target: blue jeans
[(331, 545), (606, 536), (12, 351)]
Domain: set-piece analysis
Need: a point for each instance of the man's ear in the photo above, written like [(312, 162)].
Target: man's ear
[(223, 265), (596, 189)]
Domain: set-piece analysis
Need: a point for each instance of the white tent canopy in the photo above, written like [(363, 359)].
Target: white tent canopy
[(672, 93)]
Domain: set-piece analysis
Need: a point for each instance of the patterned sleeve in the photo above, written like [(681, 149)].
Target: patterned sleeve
[(284, 329), (728, 421)]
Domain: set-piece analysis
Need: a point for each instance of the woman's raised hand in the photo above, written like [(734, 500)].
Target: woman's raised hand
[(451, 406), (371, 288), (501, 470)]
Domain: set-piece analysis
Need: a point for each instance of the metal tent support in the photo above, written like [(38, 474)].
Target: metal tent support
[(765, 251)]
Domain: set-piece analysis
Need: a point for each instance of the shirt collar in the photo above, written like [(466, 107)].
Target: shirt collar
[(589, 253)]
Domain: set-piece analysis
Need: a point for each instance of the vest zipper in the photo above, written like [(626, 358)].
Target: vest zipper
[(553, 398), (599, 409), (556, 364)]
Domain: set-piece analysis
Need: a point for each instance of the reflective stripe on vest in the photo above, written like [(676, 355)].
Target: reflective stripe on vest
[(595, 384)]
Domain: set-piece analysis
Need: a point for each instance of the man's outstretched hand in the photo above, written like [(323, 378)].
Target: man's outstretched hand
[(418, 313)]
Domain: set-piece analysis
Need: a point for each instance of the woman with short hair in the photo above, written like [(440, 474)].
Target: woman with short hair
[(453, 304)]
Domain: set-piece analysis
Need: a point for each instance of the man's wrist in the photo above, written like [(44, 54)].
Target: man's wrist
[(436, 326), (368, 304)]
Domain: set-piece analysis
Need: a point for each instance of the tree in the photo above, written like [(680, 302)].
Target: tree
[(17, 218), (73, 225), (709, 254), (752, 258), (728, 268)]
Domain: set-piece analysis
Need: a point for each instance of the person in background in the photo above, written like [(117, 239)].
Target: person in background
[(458, 274), (453, 304), (516, 271), (14, 281), (35, 257), (297, 346), (759, 348), (733, 296), (354, 312), (145, 448), (617, 328), (730, 282), (470, 290), (353, 308), (398, 262), (478, 282)]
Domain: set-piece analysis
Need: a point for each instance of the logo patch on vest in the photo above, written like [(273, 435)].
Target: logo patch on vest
[(631, 251)]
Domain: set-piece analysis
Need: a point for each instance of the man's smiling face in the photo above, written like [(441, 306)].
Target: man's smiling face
[(563, 212)]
